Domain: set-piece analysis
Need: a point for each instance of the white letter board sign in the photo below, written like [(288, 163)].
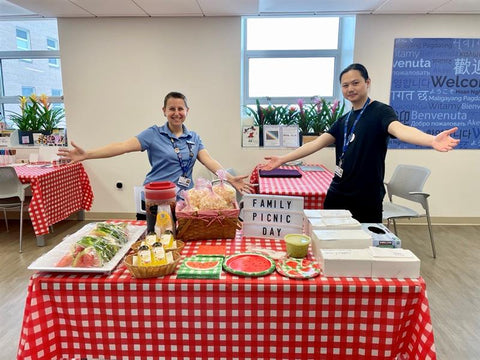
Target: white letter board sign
[(272, 216)]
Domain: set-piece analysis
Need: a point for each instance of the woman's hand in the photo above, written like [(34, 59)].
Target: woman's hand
[(75, 155), (239, 184), (444, 142)]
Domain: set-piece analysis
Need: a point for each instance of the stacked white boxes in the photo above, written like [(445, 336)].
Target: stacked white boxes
[(371, 262), (344, 247)]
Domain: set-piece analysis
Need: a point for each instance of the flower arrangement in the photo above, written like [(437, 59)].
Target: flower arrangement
[(313, 118), (37, 114), (323, 114)]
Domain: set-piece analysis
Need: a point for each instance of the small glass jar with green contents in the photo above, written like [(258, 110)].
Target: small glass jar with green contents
[(297, 245)]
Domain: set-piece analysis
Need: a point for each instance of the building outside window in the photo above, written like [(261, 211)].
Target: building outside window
[(52, 44), (29, 63), (23, 39)]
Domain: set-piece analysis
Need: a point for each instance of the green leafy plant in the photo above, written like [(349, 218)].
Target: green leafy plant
[(313, 118), (304, 118), (323, 114), (37, 114)]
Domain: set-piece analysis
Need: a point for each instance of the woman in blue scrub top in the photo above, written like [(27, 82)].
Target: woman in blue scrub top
[(172, 149)]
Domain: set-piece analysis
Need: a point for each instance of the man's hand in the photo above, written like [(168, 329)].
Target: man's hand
[(444, 142)]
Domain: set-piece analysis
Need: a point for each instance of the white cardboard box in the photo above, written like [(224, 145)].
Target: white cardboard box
[(346, 262), (371, 262), (319, 213), (394, 263), (331, 223), (339, 239)]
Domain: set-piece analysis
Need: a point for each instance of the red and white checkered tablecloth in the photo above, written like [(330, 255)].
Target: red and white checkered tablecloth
[(57, 192), (118, 317), (313, 185)]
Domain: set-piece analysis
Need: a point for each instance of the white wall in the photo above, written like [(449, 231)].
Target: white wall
[(117, 71)]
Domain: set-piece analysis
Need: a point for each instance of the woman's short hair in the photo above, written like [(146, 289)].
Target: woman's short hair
[(175, 95)]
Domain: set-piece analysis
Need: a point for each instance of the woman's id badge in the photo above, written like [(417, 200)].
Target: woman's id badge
[(184, 181)]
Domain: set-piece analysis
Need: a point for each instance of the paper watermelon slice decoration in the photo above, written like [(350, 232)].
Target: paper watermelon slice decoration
[(201, 265)]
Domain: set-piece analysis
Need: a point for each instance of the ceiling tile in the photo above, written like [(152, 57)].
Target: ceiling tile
[(110, 7), (104, 8), (460, 7), (170, 7), (229, 7), (53, 8), (9, 9), (315, 6), (408, 6)]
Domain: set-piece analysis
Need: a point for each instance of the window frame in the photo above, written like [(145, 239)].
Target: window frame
[(27, 40), (343, 56), (19, 55), (56, 62)]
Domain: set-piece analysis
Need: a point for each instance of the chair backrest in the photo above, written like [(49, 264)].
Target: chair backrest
[(10, 184), (408, 178), (139, 193)]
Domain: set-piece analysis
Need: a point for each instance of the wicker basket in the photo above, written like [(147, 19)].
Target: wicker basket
[(207, 224), (145, 272)]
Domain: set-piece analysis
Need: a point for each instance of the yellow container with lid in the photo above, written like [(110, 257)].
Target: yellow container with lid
[(297, 245)]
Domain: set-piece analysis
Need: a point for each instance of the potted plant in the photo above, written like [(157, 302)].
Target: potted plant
[(324, 114), (321, 115), (303, 118), (36, 116), (50, 117)]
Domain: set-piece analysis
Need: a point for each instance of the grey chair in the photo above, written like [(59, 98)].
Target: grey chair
[(407, 183), (12, 195)]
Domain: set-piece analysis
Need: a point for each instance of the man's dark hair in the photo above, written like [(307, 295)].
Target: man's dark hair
[(355, 66)]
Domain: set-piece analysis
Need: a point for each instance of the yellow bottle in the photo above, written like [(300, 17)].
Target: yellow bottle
[(164, 219), (167, 239), (151, 239), (158, 254), (144, 255)]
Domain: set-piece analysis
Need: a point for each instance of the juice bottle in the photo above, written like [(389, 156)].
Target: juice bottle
[(167, 239), (144, 255), (164, 220), (151, 238), (158, 254)]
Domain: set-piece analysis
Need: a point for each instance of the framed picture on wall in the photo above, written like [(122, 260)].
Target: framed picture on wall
[(271, 136), (250, 136), (290, 136)]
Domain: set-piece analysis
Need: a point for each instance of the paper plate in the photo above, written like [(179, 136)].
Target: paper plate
[(298, 268), (249, 264)]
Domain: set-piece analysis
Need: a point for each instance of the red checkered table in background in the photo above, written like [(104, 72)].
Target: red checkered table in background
[(86, 316), (313, 185), (57, 192)]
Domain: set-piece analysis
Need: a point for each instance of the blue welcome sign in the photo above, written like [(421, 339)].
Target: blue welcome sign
[(436, 86)]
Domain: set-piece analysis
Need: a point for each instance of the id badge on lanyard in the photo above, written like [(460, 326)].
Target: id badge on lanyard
[(183, 181)]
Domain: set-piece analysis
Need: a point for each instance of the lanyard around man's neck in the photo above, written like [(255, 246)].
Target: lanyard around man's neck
[(347, 138)]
